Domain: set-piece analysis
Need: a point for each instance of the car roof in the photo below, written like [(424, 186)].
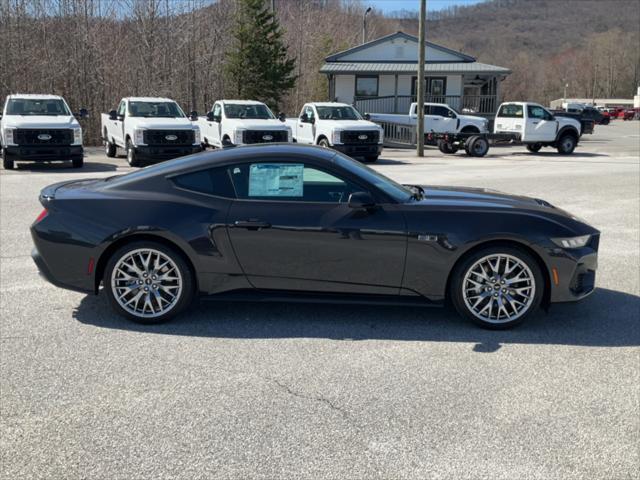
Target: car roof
[(203, 160), (148, 99), (35, 96), (329, 104), (242, 102)]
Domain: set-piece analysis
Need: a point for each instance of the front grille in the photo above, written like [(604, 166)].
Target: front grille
[(169, 137), (264, 136), (359, 137), (42, 136)]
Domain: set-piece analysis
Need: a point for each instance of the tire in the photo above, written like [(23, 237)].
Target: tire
[(478, 146), (323, 142), (534, 147), (7, 161), (371, 159), (77, 162), (118, 277), (465, 292), (567, 144), (110, 149), (226, 142), (447, 148), (132, 158)]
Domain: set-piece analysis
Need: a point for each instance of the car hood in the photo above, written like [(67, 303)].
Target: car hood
[(40, 121), (351, 124), (252, 124), (160, 123)]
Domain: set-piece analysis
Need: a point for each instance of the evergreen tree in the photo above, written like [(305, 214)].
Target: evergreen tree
[(258, 65)]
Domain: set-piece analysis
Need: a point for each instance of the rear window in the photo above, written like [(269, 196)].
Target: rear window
[(213, 181), (511, 111)]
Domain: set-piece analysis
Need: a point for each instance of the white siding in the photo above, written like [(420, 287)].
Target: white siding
[(386, 85), (454, 85), (399, 49), (345, 88), (404, 84)]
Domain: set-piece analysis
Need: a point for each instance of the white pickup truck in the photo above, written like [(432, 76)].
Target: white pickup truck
[(438, 118), (40, 128), (149, 130), (239, 122), (338, 126)]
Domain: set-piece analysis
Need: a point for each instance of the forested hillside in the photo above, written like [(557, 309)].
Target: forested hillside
[(95, 51)]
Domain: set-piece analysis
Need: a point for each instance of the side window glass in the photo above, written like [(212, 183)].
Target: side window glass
[(535, 112), (121, 108), (214, 181), (309, 112), (217, 110), (511, 111)]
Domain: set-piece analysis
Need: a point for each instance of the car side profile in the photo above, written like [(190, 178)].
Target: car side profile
[(307, 223)]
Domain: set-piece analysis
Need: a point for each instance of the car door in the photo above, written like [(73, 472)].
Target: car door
[(444, 119), (306, 127), (292, 228), (119, 123), (540, 125)]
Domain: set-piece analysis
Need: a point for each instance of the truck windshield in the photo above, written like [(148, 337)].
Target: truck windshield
[(155, 109), (338, 113), (255, 111), (36, 106)]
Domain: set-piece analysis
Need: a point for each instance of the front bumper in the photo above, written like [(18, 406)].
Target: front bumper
[(165, 152), (359, 150), (44, 153)]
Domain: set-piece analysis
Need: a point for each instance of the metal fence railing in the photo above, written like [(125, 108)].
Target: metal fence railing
[(398, 134)]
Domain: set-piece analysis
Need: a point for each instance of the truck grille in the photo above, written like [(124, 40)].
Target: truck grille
[(265, 136), (169, 137), (359, 137), (40, 136)]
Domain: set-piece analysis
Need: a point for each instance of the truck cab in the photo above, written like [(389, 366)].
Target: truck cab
[(537, 127), (149, 129), (441, 118), (40, 128), (338, 126), (241, 122)]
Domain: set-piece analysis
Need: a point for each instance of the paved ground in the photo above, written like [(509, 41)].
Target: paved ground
[(291, 391)]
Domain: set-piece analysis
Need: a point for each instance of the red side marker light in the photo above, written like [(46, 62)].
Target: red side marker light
[(90, 266), (43, 214)]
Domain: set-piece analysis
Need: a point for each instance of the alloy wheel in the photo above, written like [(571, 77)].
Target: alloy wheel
[(498, 288), (146, 283)]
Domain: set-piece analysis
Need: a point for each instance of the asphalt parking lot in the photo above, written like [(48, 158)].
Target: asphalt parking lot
[(316, 391)]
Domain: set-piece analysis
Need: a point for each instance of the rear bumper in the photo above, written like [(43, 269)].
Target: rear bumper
[(46, 273), (44, 152), (165, 152), (357, 150)]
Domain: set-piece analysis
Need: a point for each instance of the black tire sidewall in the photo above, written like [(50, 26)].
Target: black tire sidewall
[(188, 286), (7, 162), (457, 276), (324, 143), (561, 148)]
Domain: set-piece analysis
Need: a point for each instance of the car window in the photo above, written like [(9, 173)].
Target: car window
[(217, 110), (511, 111), (310, 113), (440, 111), (535, 112), (36, 106), (290, 182), (121, 108), (214, 181)]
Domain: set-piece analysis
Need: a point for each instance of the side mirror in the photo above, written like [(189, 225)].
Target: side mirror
[(282, 117), (304, 118), (366, 116), (193, 116), (113, 115), (361, 200), (83, 113)]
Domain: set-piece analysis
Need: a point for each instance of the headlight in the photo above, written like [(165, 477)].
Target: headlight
[(138, 136), (196, 136), (572, 242), (238, 135), (8, 136), (381, 137), (77, 136), (336, 137)]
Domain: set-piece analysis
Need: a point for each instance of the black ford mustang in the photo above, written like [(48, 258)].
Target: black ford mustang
[(306, 223)]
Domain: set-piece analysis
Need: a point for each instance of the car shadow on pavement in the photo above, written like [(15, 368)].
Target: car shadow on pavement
[(606, 319), (65, 167)]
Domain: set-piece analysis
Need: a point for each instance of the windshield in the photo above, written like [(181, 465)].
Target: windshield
[(338, 113), (398, 192), (155, 109), (255, 111), (35, 106)]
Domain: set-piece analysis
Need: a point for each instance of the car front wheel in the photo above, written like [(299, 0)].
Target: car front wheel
[(497, 287), (148, 282)]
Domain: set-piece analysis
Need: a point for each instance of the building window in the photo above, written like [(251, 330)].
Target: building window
[(366, 86), (434, 86)]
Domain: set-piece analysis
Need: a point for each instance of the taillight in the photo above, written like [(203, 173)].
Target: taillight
[(43, 214)]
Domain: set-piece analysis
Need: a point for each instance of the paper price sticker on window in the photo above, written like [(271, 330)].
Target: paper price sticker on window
[(276, 180)]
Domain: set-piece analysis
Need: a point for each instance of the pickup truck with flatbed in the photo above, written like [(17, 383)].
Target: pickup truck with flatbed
[(523, 123), (241, 122), (40, 128), (338, 126), (150, 130)]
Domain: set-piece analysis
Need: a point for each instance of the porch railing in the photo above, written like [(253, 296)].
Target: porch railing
[(483, 104)]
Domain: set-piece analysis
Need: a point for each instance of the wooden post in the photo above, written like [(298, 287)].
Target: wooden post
[(420, 82), (395, 95)]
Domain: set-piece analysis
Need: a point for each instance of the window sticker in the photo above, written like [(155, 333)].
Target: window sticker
[(276, 180)]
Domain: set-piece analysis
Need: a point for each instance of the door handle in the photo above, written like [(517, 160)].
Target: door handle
[(251, 224), (535, 123)]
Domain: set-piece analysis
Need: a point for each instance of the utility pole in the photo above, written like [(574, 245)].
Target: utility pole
[(420, 81), (364, 25)]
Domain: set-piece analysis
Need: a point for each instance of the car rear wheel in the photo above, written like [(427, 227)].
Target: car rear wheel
[(477, 146), (7, 162), (148, 282), (497, 287), (447, 148), (534, 147), (567, 144)]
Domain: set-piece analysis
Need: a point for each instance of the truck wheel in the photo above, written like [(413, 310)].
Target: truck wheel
[(371, 159), (534, 147), (447, 148), (110, 149), (566, 144), (323, 142), (77, 162), (7, 162), (478, 146), (131, 155)]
